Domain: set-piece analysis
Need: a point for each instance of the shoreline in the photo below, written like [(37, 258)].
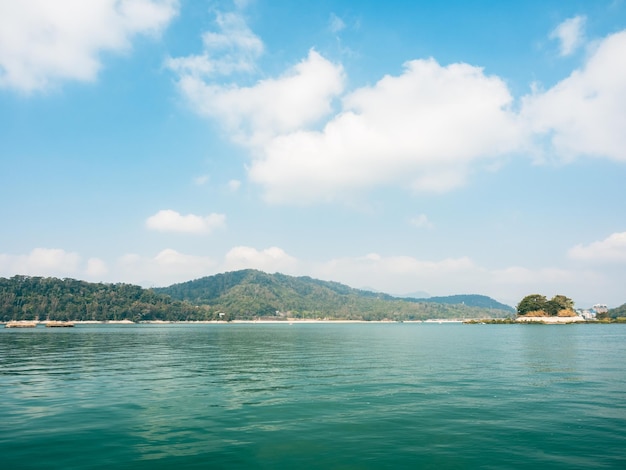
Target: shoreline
[(223, 322), (553, 320), (293, 321)]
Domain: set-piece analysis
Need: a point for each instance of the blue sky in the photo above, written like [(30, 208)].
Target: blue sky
[(440, 147)]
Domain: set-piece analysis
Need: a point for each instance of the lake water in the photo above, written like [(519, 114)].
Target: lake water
[(332, 396)]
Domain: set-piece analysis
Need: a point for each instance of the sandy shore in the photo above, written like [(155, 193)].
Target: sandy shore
[(551, 320)]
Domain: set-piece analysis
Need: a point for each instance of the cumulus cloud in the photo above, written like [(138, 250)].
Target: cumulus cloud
[(425, 129), (404, 274), (44, 42), (420, 129), (583, 115), (390, 274), (272, 259), (570, 34), (233, 48), (612, 250), (171, 266), (166, 267), (171, 221), (96, 268), (254, 114), (400, 274), (42, 262)]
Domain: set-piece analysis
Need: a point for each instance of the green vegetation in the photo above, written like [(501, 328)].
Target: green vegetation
[(247, 294), (31, 298), (617, 314), (493, 321), (538, 305), (250, 294), (472, 300)]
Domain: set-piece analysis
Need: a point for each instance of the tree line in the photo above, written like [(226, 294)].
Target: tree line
[(538, 304), (242, 295), (47, 298)]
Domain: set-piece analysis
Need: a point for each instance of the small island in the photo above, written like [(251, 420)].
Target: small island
[(536, 308)]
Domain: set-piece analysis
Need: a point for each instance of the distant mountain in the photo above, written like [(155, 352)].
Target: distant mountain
[(471, 300), (413, 295), (250, 293)]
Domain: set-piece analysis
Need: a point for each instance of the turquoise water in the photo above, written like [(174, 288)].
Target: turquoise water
[(344, 396)]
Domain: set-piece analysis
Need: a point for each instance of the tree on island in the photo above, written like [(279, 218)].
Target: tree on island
[(538, 304)]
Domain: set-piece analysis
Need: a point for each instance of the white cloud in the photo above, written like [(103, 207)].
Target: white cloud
[(404, 274), (96, 268), (420, 129), (235, 48), (41, 262), (171, 221), (424, 130), (255, 114), (170, 266), (44, 42), (583, 115), (612, 249), (570, 34), (390, 274), (270, 260), (335, 24), (167, 267), (399, 275), (421, 221), (586, 287), (538, 277)]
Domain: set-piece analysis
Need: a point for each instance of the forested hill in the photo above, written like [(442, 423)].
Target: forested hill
[(618, 312), (246, 294), (251, 282), (42, 298), (252, 293), (471, 300)]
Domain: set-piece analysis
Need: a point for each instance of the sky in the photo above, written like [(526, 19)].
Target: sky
[(413, 148)]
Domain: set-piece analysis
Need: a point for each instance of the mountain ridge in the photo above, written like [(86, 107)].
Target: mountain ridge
[(243, 294), (278, 290)]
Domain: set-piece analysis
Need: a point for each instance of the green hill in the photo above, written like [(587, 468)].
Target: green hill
[(251, 294), (471, 300), (32, 298), (617, 312), (246, 294)]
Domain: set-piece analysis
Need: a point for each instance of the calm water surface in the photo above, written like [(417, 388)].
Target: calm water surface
[(313, 396)]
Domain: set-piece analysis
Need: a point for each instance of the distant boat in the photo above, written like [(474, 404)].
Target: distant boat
[(21, 324), (59, 324)]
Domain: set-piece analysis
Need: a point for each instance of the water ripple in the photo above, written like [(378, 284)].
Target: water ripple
[(319, 396)]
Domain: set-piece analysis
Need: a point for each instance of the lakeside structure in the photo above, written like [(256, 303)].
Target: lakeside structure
[(21, 324), (59, 324)]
